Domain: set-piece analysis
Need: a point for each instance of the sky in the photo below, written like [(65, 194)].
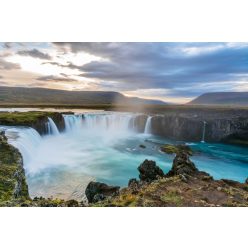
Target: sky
[(172, 72)]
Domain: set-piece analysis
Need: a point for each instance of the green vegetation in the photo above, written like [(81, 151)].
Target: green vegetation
[(19, 118), (170, 149), (12, 177)]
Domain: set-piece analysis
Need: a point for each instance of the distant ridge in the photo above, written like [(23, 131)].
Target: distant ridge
[(222, 98), (44, 96)]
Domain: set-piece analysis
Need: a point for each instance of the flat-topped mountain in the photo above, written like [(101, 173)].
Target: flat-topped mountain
[(43, 96), (222, 98)]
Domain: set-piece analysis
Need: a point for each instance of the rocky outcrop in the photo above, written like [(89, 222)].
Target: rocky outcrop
[(40, 125), (182, 165), (183, 186), (170, 149), (13, 184), (149, 171), (96, 191)]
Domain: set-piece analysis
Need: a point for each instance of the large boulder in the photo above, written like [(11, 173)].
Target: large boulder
[(96, 191), (149, 171), (182, 165), (246, 181)]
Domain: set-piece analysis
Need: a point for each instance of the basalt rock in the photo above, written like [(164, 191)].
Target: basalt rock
[(139, 123), (182, 165), (96, 191), (230, 126), (149, 171)]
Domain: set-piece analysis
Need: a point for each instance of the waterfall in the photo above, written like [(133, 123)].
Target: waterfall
[(203, 132), (26, 140), (52, 128), (109, 122), (148, 126), (73, 122)]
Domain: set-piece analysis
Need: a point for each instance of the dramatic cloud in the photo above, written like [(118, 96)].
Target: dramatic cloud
[(35, 53), (5, 65), (164, 65), (167, 71)]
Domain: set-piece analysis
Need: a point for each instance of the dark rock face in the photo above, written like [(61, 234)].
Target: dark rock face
[(246, 181), (229, 127), (96, 191), (59, 121), (149, 171), (182, 165), (139, 123)]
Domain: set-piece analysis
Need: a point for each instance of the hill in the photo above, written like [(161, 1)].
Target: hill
[(43, 96), (222, 98)]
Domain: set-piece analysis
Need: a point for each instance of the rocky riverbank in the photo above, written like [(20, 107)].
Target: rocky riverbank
[(183, 186)]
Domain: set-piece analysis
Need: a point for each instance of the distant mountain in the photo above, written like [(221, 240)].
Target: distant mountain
[(43, 96), (222, 98)]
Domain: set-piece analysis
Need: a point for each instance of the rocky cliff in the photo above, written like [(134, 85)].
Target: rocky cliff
[(37, 120), (229, 126)]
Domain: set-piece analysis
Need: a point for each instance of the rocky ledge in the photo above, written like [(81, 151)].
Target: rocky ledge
[(35, 119), (184, 185)]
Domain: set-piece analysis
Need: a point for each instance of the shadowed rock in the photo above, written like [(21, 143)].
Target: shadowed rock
[(246, 181), (182, 165), (149, 171), (96, 191)]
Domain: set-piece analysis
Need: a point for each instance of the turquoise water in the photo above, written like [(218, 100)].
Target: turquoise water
[(220, 160), (104, 147)]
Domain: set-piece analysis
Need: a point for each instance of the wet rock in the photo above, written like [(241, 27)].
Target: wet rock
[(170, 149), (182, 165), (142, 146), (96, 191), (149, 171)]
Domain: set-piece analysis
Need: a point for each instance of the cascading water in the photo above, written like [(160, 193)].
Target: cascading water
[(148, 126), (104, 147), (26, 140), (203, 131), (73, 122), (51, 126)]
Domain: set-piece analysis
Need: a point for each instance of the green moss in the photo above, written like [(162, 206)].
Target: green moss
[(172, 198), (22, 118), (170, 149), (12, 177)]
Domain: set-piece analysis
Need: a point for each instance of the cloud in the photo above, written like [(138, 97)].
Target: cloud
[(5, 65), (35, 53), (174, 66), (52, 78)]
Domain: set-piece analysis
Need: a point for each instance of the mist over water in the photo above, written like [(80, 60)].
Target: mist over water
[(105, 147)]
